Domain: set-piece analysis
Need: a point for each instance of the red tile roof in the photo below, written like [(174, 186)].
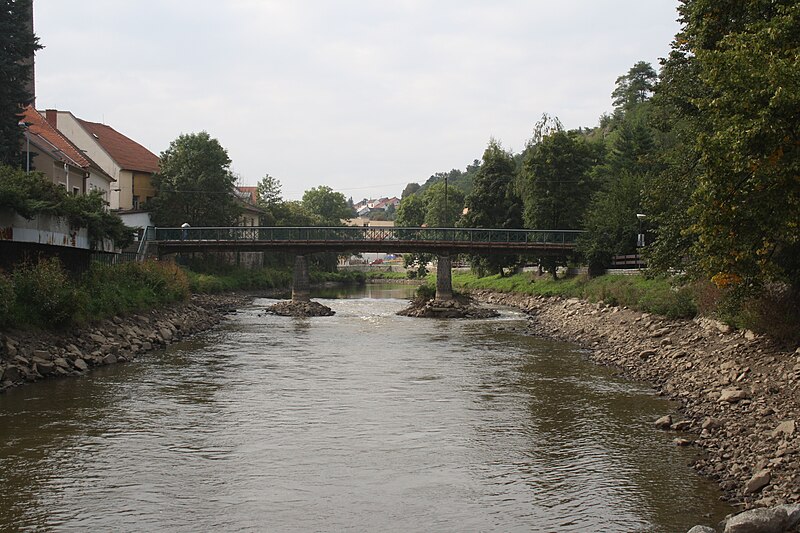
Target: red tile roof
[(128, 154), (39, 126)]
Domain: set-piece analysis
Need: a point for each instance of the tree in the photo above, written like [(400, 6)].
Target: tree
[(194, 184), (17, 47), (555, 182), (270, 200), (493, 203), (328, 205), (443, 206), (634, 87), (732, 82), (410, 189), (410, 212)]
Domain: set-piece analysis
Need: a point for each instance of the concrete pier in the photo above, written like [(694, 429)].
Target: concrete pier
[(301, 284), (444, 280)]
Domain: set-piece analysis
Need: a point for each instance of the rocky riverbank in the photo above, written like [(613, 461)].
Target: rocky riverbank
[(300, 309), (739, 393), (27, 356)]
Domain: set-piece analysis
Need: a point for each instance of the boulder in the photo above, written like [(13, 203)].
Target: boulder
[(763, 520), (80, 364), (44, 368), (787, 427), (664, 422), (12, 373), (732, 396), (166, 334), (702, 529), (759, 480)]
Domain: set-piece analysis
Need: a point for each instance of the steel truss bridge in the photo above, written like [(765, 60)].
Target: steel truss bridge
[(307, 240)]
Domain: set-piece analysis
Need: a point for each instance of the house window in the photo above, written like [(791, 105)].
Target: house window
[(75, 191), (136, 202)]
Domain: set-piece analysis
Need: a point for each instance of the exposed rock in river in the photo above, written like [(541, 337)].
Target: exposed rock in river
[(459, 307), (300, 309)]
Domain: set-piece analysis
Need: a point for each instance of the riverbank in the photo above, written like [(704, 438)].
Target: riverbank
[(32, 355), (739, 393)]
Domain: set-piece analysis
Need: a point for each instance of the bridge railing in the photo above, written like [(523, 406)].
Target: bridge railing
[(363, 234)]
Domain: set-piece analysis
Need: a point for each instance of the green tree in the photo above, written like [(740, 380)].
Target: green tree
[(738, 63), (270, 200), (443, 205), (194, 184), (410, 189), (17, 45), (328, 205), (555, 182), (410, 212), (493, 203), (634, 87)]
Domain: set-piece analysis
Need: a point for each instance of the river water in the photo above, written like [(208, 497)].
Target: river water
[(364, 421)]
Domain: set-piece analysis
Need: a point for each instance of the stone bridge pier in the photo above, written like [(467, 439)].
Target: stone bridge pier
[(301, 284), (444, 279)]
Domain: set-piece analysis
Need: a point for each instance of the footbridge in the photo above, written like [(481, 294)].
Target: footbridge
[(301, 241)]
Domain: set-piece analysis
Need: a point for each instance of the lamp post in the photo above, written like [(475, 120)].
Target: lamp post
[(446, 214), (640, 238), (27, 125)]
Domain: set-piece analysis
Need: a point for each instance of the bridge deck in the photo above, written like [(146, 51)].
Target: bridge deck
[(362, 239)]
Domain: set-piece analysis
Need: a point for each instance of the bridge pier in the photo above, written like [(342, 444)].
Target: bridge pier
[(444, 280), (301, 284)]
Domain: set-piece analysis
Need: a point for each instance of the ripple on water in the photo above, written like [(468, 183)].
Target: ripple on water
[(360, 421)]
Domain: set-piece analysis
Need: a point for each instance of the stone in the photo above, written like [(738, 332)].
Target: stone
[(683, 425), (702, 529), (12, 373), (166, 334), (759, 480), (787, 427), (664, 422), (97, 339), (792, 515), (80, 364), (732, 395), (762, 520), (682, 442), (749, 335), (646, 354), (41, 354), (109, 359), (44, 367)]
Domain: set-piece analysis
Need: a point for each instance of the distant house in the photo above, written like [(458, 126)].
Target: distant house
[(248, 198), (48, 151), (128, 162)]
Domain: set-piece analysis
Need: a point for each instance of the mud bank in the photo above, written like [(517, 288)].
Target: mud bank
[(739, 393), (27, 356)]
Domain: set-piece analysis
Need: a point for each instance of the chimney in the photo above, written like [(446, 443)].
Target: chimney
[(51, 116)]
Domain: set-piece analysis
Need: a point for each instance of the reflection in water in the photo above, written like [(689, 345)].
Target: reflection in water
[(361, 421)]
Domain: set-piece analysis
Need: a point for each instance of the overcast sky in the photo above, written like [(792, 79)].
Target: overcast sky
[(362, 96)]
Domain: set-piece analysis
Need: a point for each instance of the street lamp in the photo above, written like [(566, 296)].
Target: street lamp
[(27, 125), (640, 237), (446, 214)]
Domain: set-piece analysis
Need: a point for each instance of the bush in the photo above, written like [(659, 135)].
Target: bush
[(6, 298), (44, 294)]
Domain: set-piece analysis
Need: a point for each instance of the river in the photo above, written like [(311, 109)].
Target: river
[(364, 421)]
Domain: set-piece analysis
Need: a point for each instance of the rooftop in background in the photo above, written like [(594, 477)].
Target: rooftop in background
[(128, 154)]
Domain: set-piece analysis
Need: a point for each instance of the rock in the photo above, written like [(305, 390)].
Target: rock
[(702, 529), (44, 368), (42, 354), (109, 359), (300, 309), (682, 442), (732, 395), (787, 428), (749, 335), (166, 334), (97, 339), (759, 480), (664, 422), (81, 365), (60, 362), (646, 354), (12, 373), (763, 520), (792, 515), (683, 425)]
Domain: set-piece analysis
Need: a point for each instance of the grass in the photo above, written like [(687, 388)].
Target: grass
[(652, 295)]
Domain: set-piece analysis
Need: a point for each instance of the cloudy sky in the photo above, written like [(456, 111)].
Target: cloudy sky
[(362, 96)]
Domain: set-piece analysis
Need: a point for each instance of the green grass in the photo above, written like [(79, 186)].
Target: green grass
[(652, 295)]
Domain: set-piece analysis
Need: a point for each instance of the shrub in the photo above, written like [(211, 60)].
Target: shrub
[(6, 298), (44, 294)]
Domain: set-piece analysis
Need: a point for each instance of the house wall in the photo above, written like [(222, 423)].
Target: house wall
[(97, 182), (72, 130), (54, 170)]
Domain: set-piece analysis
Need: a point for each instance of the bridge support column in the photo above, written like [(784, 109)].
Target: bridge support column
[(301, 285), (444, 280)]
